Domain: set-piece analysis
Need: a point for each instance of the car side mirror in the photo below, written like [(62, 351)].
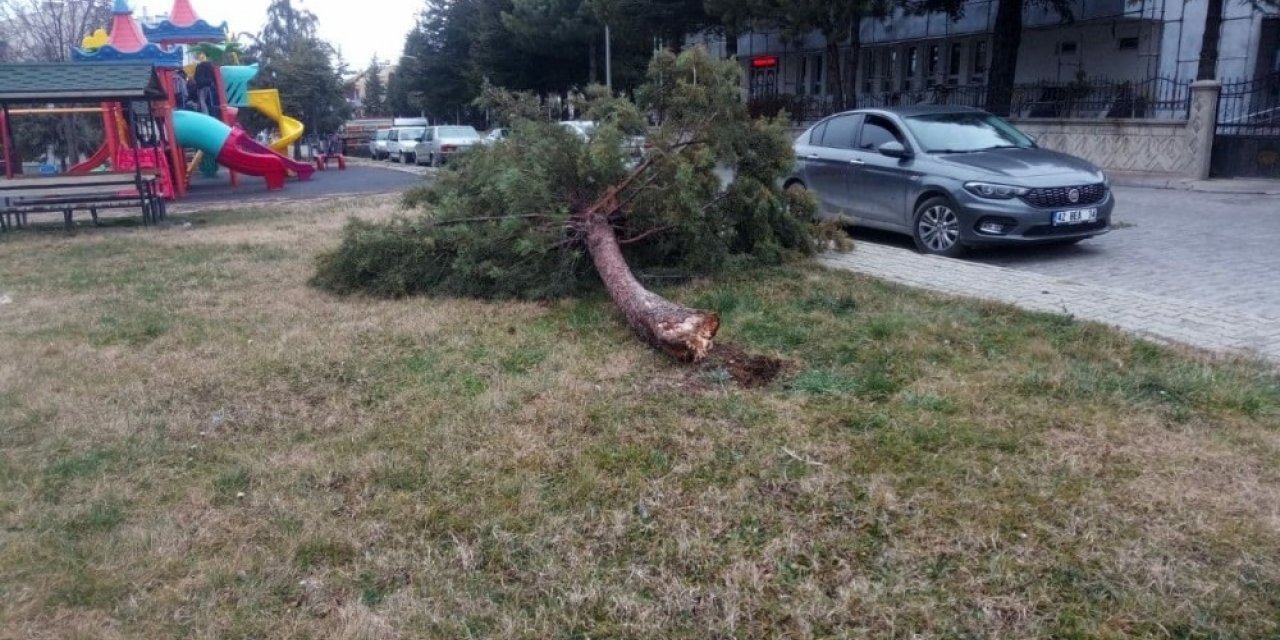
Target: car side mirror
[(894, 149)]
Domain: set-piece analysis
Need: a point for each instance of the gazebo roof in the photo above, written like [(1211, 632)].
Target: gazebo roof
[(69, 82)]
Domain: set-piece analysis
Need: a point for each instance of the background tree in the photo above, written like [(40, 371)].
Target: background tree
[(1213, 16), (306, 69), (47, 31), (1006, 40), (375, 93), (838, 21), (546, 214)]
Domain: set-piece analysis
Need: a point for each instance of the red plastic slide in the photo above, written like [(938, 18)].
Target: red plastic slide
[(100, 156), (243, 154)]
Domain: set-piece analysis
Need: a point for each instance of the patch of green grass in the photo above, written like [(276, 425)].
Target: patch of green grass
[(100, 517), (229, 484), (64, 470), (319, 553), (131, 328), (824, 381)]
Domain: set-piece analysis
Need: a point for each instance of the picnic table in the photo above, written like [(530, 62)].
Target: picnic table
[(21, 196)]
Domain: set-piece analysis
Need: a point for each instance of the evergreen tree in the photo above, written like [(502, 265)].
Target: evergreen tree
[(375, 94), (547, 214), (305, 69), (837, 20)]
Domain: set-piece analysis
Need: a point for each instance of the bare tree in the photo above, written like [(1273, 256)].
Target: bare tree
[(47, 31)]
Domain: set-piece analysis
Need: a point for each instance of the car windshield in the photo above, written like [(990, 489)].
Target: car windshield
[(965, 133), (458, 132)]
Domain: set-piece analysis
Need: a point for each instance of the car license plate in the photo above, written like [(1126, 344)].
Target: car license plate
[(1075, 216)]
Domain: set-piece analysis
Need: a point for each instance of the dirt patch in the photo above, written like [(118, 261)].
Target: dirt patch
[(747, 370)]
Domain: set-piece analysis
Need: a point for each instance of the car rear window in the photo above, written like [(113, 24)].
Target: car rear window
[(458, 132)]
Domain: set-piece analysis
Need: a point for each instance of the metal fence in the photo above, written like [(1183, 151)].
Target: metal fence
[(1250, 107), (1246, 142), (1156, 98)]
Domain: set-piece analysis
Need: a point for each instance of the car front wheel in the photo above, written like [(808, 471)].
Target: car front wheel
[(937, 228)]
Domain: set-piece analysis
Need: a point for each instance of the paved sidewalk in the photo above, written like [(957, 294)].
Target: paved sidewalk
[(1241, 186), (1156, 317)]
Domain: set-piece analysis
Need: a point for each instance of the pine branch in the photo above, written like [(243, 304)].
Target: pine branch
[(646, 234)]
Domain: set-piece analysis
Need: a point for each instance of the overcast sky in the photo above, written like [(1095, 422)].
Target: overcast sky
[(360, 28)]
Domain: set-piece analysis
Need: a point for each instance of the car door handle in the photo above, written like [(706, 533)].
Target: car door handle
[(856, 162)]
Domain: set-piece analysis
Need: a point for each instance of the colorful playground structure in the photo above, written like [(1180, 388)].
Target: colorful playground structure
[(212, 137)]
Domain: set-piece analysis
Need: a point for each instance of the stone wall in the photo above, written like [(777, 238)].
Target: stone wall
[(1157, 147), (1163, 148)]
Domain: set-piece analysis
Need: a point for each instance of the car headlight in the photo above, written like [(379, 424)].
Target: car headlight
[(995, 191)]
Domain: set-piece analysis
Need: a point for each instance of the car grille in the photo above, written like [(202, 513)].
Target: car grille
[(1049, 197)]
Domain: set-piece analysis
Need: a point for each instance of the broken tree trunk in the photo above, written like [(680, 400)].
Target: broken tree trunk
[(686, 334)]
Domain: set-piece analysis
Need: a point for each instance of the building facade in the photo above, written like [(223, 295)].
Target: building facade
[(1114, 40)]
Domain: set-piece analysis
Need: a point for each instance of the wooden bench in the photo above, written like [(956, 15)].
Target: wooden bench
[(25, 195)]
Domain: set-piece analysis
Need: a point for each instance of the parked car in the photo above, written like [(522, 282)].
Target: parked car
[(951, 177), (495, 135), (401, 143), (441, 142), (378, 144), (633, 146)]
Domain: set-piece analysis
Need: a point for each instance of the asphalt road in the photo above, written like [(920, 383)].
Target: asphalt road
[(1209, 248), (356, 180)]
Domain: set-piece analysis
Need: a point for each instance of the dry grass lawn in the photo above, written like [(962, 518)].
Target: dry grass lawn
[(195, 444)]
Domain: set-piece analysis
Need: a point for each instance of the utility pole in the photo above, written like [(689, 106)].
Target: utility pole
[(608, 61)]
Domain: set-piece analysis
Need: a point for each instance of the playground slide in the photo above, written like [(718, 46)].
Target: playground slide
[(267, 102), (100, 156), (235, 150)]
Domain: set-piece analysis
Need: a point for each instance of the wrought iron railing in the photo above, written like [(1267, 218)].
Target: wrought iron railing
[(1156, 98), (1250, 107)]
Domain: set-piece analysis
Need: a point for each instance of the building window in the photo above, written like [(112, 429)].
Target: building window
[(816, 80), (1128, 44), (954, 60), (1068, 48), (911, 63), (980, 57), (934, 54), (869, 72), (801, 73), (889, 62)]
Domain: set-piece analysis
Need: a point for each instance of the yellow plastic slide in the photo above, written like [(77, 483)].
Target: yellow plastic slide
[(267, 102)]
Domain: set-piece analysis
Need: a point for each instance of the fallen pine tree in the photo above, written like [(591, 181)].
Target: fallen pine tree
[(549, 212)]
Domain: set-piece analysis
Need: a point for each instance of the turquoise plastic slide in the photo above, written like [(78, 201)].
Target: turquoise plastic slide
[(235, 150)]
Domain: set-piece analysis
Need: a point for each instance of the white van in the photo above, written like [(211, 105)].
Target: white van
[(401, 142), (378, 144)]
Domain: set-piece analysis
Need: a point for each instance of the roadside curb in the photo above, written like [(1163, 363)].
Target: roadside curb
[(1236, 186), (1154, 317), (390, 166)]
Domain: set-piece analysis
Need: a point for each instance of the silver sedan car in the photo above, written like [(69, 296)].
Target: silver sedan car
[(951, 177)]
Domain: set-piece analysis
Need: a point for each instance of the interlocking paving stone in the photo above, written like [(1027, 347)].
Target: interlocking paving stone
[(1205, 326)]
